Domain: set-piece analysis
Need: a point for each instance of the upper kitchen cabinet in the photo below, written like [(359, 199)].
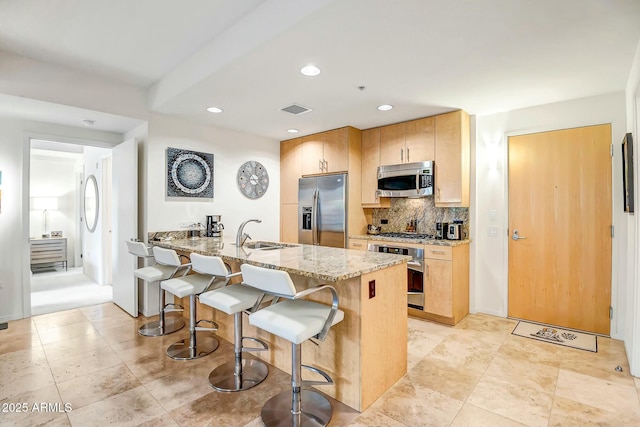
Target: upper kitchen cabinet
[(370, 163), (452, 163), (420, 139), (326, 152), (290, 169), (407, 142), (334, 151)]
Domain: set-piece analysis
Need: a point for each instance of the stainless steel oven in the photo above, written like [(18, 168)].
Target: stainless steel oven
[(415, 270)]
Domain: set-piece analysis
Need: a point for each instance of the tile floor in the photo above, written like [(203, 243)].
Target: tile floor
[(474, 374)]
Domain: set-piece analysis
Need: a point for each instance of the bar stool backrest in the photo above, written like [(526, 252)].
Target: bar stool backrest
[(268, 280), (211, 265), (166, 256), (138, 249)]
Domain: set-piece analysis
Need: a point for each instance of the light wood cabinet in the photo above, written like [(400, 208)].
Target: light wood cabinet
[(420, 139), (325, 152), (358, 244), (392, 144), (407, 142), (452, 159), (370, 163), (335, 151), (289, 222), (446, 283), (290, 170)]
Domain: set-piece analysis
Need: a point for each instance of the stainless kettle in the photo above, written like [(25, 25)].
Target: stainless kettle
[(216, 229), (454, 231), (373, 229)]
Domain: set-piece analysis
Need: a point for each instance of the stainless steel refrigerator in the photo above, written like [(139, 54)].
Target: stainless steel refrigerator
[(322, 210)]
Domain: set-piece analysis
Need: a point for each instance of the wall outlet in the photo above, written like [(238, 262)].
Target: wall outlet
[(186, 224), (384, 221), (492, 231), (372, 289)]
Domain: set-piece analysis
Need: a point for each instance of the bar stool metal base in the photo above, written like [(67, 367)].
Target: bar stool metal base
[(224, 378), (171, 325), (315, 410), (181, 350)]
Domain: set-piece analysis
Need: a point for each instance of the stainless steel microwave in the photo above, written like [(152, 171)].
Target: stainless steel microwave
[(406, 180)]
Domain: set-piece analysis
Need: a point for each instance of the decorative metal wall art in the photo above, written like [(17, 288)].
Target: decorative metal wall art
[(253, 179), (189, 173)]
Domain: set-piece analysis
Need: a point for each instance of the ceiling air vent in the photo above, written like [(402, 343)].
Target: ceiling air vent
[(296, 109)]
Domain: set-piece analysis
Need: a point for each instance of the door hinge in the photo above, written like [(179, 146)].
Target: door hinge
[(610, 312), (611, 150), (611, 230)]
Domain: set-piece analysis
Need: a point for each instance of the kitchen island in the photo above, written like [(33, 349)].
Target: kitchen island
[(366, 353)]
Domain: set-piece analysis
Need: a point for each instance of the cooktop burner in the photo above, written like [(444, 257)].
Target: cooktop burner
[(408, 235)]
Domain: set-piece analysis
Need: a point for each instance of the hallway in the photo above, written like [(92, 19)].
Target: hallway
[(57, 290)]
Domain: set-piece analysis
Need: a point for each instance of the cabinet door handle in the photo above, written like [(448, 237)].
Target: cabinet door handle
[(401, 155), (438, 252), (326, 166), (320, 164), (408, 155), (356, 244)]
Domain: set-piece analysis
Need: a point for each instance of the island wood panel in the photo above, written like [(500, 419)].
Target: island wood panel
[(340, 355), (383, 348)]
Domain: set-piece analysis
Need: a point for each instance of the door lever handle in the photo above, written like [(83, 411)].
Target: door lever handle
[(516, 236)]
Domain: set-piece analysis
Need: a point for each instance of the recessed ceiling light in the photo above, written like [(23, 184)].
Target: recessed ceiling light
[(385, 107), (214, 110), (88, 122), (293, 130), (310, 70)]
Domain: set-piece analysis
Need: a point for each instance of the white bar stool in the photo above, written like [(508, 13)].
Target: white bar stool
[(155, 273), (210, 271), (295, 320), (238, 374)]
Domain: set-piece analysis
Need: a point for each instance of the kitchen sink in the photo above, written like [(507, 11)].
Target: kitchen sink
[(265, 246)]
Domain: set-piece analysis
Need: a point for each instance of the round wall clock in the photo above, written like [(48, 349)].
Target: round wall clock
[(253, 179)]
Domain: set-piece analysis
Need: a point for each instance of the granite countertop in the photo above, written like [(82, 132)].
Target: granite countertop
[(416, 241), (322, 262)]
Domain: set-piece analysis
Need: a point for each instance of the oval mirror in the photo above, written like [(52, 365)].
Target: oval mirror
[(91, 203)]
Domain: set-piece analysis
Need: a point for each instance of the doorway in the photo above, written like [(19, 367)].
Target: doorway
[(560, 228), (57, 172)]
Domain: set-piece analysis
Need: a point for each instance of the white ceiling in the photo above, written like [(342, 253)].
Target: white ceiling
[(422, 56)]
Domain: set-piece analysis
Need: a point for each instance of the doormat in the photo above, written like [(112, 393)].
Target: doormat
[(552, 334)]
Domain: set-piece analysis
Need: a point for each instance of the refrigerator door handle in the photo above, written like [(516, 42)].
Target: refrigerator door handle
[(314, 217)]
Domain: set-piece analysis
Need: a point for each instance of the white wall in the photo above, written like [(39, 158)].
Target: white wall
[(14, 218), (93, 245), (632, 333), (230, 150), (489, 255), (14, 236), (56, 176)]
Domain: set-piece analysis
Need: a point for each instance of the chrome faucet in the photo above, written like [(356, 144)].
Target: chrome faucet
[(242, 237)]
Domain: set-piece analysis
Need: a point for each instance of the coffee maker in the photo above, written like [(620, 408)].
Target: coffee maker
[(442, 229), (214, 226)]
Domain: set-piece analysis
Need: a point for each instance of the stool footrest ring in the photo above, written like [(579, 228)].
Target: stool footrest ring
[(202, 328), (264, 345), (326, 376)]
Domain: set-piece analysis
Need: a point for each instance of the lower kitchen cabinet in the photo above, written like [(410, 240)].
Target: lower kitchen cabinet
[(358, 244), (446, 284)]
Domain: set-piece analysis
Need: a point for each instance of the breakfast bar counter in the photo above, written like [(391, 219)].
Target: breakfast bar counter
[(366, 353)]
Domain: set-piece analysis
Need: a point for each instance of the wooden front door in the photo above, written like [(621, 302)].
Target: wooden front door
[(560, 205)]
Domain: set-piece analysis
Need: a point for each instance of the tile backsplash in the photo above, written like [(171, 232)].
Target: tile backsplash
[(402, 211)]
